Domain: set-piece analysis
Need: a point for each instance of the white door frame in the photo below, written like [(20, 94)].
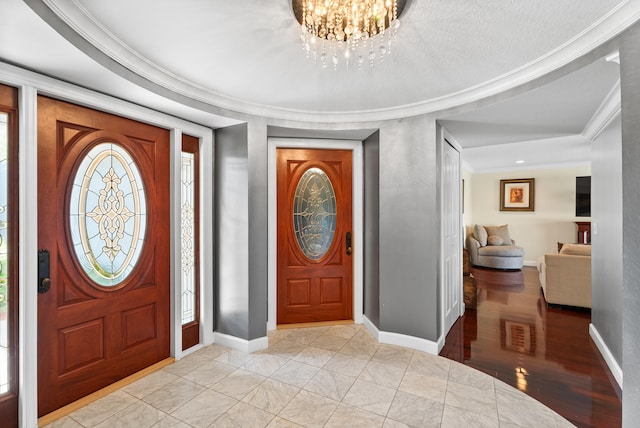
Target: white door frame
[(30, 85), (447, 138), (358, 222)]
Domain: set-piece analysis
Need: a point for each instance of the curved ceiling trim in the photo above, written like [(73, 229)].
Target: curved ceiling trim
[(72, 15)]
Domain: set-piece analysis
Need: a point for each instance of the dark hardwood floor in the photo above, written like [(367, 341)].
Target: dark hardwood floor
[(545, 352)]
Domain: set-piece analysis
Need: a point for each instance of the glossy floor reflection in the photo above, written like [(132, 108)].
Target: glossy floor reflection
[(543, 351), (325, 376)]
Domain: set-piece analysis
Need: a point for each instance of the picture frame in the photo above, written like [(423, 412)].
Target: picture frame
[(517, 194)]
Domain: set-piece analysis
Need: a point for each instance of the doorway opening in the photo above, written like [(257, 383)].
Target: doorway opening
[(357, 209)]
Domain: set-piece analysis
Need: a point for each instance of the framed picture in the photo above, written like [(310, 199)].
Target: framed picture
[(517, 195)]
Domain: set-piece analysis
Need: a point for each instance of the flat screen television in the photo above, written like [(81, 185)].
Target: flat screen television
[(583, 196)]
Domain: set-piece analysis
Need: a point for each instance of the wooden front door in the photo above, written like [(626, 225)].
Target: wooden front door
[(315, 263), (103, 218)]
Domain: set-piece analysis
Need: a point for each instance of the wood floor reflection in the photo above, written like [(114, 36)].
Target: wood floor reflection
[(545, 352)]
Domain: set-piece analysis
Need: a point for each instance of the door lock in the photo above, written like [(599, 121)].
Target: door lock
[(44, 282), (348, 242)]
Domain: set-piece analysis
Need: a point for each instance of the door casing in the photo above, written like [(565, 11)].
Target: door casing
[(447, 139), (29, 85), (358, 226)]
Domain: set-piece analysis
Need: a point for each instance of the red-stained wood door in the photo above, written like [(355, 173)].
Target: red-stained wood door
[(315, 241), (103, 216)]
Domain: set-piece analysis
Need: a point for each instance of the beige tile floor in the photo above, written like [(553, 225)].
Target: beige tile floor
[(316, 377)]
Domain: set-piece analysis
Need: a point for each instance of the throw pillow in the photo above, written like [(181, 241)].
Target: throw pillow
[(576, 249), (494, 240), (480, 233), (501, 231)]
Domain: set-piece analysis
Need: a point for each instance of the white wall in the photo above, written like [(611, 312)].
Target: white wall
[(539, 231), (467, 191)]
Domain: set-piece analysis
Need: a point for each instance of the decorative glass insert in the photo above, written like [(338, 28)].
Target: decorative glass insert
[(4, 254), (108, 214), (314, 213), (187, 215)]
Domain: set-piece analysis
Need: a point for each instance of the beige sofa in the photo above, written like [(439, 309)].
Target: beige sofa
[(566, 277)]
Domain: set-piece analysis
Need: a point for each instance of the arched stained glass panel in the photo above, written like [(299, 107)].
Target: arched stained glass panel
[(108, 214), (314, 213)]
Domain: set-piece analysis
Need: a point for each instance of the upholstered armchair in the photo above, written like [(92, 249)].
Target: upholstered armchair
[(491, 246)]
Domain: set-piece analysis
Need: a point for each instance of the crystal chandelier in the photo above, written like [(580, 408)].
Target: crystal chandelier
[(348, 32)]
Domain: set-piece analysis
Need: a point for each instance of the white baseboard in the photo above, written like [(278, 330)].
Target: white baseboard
[(242, 345), (531, 263), (403, 339), (615, 368)]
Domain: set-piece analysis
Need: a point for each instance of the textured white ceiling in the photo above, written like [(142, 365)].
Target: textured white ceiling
[(250, 51), (214, 61), (562, 107)]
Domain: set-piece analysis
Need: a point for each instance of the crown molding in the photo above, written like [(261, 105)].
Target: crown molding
[(606, 113), (75, 23), (48, 86), (537, 164), (532, 167), (466, 166)]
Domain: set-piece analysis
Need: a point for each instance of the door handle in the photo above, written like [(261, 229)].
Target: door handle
[(44, 282), (348, 242)]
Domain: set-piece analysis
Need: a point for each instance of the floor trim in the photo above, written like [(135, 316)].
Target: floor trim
[(613, 365), (72, 407), (242, 345), (407, 341)]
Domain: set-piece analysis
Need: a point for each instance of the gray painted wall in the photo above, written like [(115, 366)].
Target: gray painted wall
[(409, 222), (630, 90), (258, 228), (241, 230), (606, 216), (231, 231), (371, 297), (401, 228)]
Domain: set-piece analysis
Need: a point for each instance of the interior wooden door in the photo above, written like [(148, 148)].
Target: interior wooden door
[(103, 218), (315, 241)]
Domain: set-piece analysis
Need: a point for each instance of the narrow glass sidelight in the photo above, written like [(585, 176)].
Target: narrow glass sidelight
[(4, 254), (189, 242), (108, 214), (314, 213), (188, 222)]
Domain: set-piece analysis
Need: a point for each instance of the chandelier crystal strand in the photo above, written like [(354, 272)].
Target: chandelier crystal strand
[(348, 30)]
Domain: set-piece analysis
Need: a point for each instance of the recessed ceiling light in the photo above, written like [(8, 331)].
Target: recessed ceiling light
[(519, 161)]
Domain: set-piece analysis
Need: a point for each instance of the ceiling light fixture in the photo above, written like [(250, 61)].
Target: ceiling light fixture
[(342, 32), (519, 161)]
